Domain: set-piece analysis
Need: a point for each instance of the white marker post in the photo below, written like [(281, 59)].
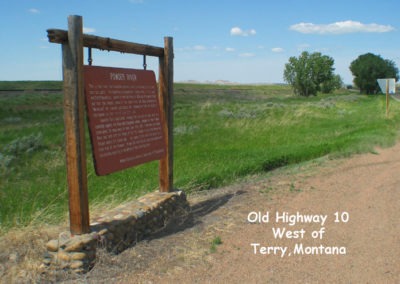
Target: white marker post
[(387, 86)]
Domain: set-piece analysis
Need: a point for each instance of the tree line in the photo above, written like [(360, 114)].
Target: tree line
[(311, 73)]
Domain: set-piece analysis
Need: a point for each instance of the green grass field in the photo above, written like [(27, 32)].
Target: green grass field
[(222, 134)]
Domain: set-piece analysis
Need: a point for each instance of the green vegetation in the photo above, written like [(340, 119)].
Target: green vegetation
[(30, 85), (214, 243), (311, 73), (367, 68), (222, 133), (293, 188)]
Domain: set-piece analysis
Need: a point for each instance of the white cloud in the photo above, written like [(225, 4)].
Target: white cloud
[(236, 31), (247, 54), (34, 11), (88, 30), (340, 28), (303, 46), (277, 49), (322, 49), (199, 47), (229, 49), (192, 48)]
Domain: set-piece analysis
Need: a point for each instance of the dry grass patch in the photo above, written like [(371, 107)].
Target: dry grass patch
[(22, 251)]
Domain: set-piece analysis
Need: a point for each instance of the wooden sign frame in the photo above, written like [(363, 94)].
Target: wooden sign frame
[(73, 42)]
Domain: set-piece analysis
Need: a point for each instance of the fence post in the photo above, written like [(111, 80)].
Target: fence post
[(72, 52), (166, 89)]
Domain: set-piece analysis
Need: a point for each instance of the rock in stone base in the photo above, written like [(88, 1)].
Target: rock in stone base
[(116, 230)]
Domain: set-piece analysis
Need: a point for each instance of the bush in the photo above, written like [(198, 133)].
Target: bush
[(330, 85), (5, 162), (24, 145), (17, 148)]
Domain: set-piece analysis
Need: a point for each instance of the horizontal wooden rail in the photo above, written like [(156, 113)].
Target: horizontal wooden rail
[(109, 44)]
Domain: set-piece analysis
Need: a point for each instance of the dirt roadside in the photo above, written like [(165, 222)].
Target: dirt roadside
[(366, 187)]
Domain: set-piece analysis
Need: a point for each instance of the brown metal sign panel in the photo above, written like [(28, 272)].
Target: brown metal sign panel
[(124, 117)]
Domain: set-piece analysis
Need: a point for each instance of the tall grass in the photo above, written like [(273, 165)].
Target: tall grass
[(221, 133)]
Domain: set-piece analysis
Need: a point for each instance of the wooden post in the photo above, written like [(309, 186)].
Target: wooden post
[(387, 98), (166, 89), (106, 43), (72, 52)]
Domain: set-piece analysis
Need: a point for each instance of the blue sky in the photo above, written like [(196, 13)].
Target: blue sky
[(245, 41)]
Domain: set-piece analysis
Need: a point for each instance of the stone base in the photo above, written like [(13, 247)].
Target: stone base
[(116, 230)]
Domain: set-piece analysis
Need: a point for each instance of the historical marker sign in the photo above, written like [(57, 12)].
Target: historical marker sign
[(124, 117)]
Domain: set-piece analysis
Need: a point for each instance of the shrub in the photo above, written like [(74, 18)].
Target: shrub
[(24, 145), (17, 148)]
